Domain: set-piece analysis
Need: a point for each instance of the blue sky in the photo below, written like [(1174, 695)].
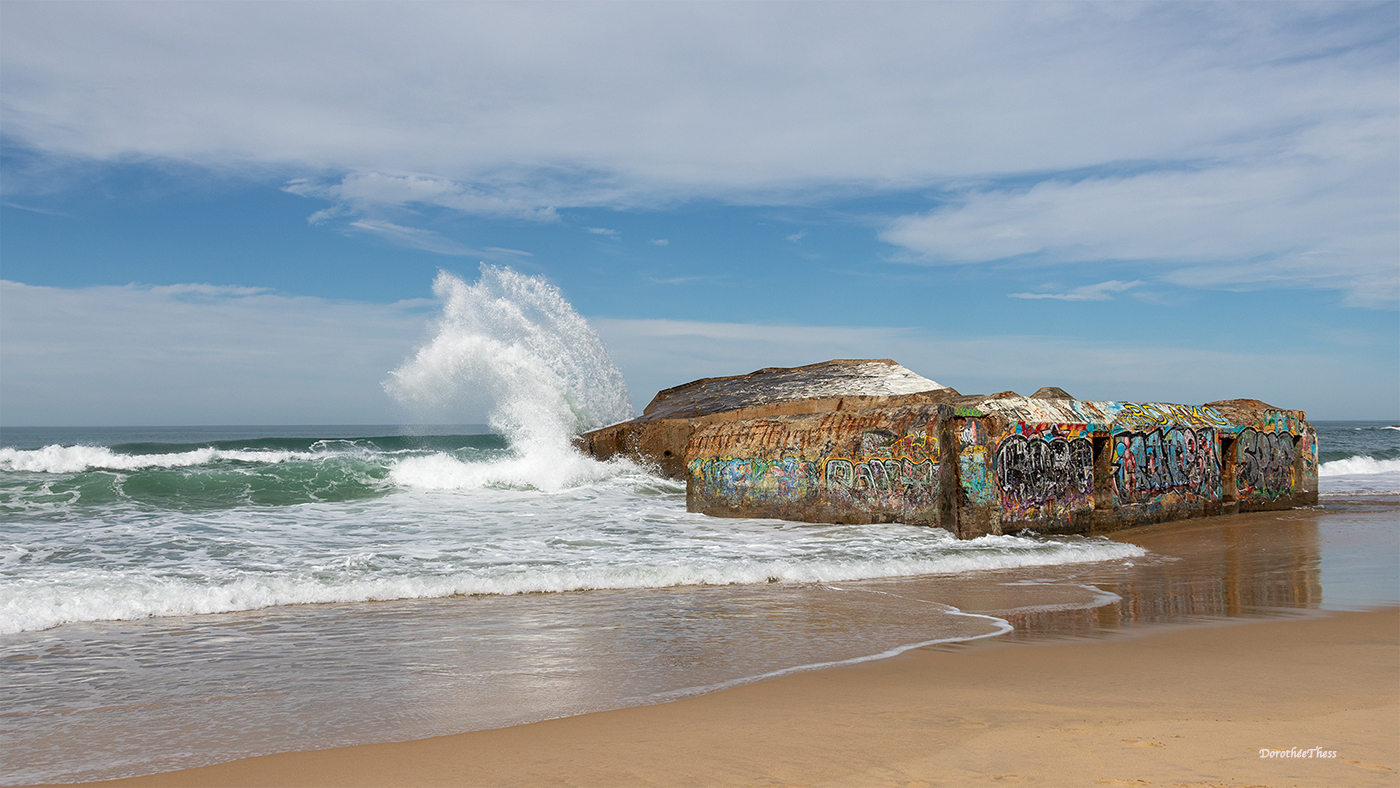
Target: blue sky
[(233, 213)]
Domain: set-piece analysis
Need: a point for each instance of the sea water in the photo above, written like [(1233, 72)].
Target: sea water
[(177, 596)]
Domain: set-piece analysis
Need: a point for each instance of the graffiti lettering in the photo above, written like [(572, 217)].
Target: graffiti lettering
[(1165, 460), (1265, 463), (875, 482), (1041, 477), (1151, 414)]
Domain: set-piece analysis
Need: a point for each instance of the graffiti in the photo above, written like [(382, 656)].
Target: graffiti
[(878, 483), (890, 473), (755, 479), (1044, 474), (1307, 452), (971, 432), (1265, 468), (883, 443), (972, 465), (1166, 460), (1050, 431), (915, 446), (966, 411), (1153, 414), (1279, 421)]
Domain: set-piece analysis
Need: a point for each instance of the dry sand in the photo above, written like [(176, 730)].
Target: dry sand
[(1179, 707)]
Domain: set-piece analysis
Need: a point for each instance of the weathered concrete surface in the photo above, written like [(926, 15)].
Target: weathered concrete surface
[(849, 441), (861, 466), (660, 435)]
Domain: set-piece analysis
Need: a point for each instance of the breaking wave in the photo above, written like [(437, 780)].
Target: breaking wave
[(513, 343), (75, 459), (1353, 466), (533, 563)]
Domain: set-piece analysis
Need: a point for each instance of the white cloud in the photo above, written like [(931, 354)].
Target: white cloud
[(1098, 292), (660, 241), (367, 197), (797, 236), (1286, 113), (602, 231), (1323, 216), (623, 104), (198, 354)]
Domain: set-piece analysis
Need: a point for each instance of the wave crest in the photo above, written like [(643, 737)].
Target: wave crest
[(76, 459), (1358, 466)]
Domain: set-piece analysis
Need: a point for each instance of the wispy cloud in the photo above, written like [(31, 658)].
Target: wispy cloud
[(603, 231), (31, 209), (675, 280), (660, 241), (430, 241), (362, 193), (413, 237), (797, 236), (1098, 292)]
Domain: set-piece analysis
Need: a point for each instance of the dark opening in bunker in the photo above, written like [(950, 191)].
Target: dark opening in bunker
[(1227, 470), (1103, 470)]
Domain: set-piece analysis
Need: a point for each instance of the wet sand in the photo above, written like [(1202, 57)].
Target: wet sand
[(1182, 707), (1204, 660)]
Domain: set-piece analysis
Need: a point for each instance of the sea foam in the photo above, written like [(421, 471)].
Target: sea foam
[(95, 594), (75, 459), (1362, 475), (1352, 466)]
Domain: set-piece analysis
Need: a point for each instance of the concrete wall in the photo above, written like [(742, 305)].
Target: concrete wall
[(867, 466)]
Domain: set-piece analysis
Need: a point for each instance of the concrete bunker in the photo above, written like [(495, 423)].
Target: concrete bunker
[(865, 441)]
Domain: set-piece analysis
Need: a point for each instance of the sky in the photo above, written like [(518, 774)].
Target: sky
[(233, 213)]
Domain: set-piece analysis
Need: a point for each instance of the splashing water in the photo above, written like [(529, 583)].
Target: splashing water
[(513, 343)]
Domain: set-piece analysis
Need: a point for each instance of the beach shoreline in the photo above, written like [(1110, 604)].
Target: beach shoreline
[(1179, 706), (1203, 662)]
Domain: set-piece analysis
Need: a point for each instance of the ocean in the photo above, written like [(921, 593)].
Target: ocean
[(175, 596)]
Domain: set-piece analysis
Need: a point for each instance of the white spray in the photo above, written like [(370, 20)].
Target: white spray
[(512, 342)]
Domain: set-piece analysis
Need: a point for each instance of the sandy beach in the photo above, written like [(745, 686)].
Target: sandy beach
[(1190, 707)]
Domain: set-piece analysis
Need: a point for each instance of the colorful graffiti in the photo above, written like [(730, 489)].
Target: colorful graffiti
[(1279, 421), (1154, 414), (890, 473), (1265, 468), (1044, 471), (745, 480), (879, 483), (1148, 465), (972, 464), (972, 467)]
